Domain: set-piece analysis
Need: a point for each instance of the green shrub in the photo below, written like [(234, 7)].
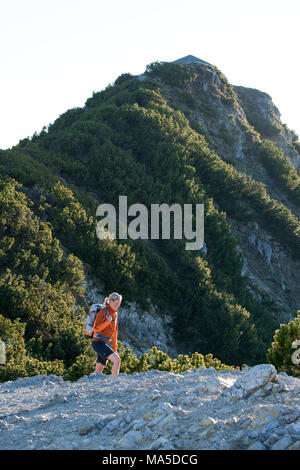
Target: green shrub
[(18, 362), (154, 359), (83, 365), (231, 94), (173, 74), (280, 168), (280, 354)]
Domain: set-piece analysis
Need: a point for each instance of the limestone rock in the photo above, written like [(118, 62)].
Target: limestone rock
[(294, 430), (251, 380), (282, 443), (257, 445)]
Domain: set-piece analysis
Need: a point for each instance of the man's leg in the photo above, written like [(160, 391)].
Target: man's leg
[(100, 357), (99, 367), (115, 359)]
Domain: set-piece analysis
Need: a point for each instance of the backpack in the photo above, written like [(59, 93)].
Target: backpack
[(88, 331)]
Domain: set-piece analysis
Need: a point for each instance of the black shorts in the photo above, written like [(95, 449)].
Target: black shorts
[(103, 350)]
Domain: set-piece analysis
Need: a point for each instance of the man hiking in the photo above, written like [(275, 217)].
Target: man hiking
[(105, 331)]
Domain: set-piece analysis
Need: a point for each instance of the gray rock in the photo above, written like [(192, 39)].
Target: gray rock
[(282, 444), (85, 430), (290, 417), (204, 249), (56, 398), (160, 443), (257, 445), (3, 425), (295, 446), (271, 440), (294, 430), (265, 250), (131, 440), (251, 380)]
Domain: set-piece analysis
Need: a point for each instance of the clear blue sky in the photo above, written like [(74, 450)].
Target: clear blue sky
[(55, 53)]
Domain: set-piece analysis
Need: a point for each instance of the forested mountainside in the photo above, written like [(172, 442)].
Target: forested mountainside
[(179, 134)]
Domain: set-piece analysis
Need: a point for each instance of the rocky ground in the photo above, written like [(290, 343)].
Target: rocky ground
[(256, 408)]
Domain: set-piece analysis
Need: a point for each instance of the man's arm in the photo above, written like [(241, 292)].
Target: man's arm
[(100, 322), (114, 337)]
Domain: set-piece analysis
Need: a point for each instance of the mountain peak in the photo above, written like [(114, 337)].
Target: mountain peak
[(188, 59)]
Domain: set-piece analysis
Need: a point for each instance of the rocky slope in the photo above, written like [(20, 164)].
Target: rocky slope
[(256, 408), (264, 116)]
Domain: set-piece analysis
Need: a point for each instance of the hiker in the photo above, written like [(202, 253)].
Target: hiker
[(105, 330)]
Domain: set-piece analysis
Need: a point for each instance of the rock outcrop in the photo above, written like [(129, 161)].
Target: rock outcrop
[(256, 408), (265, 117)]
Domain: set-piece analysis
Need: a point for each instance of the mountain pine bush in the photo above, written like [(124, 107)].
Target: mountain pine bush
[(284, 353)]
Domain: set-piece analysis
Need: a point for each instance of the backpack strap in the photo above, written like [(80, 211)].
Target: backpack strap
[(98, 335), (106, 339)]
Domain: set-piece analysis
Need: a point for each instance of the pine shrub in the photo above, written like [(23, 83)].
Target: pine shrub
[(284, 353)]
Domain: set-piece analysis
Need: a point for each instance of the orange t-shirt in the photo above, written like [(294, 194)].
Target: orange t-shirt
[(106, 327)]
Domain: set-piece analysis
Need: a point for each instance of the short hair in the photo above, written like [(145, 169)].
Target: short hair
[(113, 296)]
